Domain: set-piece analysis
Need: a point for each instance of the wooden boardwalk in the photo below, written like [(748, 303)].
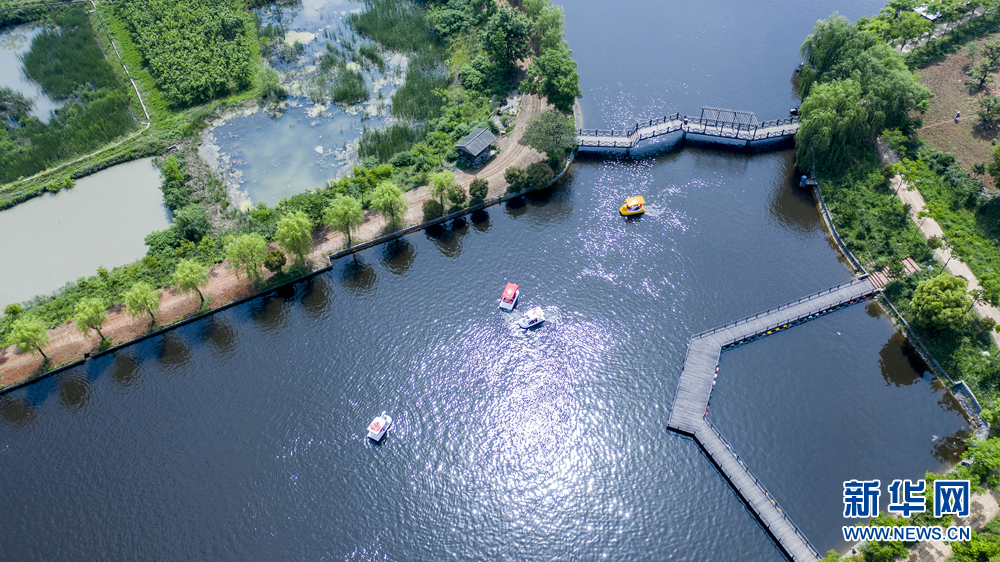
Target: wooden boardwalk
[(689, 412), (597, 139)]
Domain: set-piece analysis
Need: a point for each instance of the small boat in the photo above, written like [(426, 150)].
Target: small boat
[(633, 206), (378, 427), (532, 318), (509, 297)]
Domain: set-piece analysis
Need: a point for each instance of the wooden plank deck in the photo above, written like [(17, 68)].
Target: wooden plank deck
[(690, 409)]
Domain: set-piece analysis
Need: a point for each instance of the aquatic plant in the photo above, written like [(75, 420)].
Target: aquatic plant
[(385, 143), (349, 87)]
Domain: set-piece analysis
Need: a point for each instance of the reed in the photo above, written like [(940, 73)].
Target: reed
[(384, 143), (397, 24), (349, 87)]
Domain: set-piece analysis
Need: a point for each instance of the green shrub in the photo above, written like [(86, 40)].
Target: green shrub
[(515, 178), (275, 260), (192, 222), (538, 175), (432, 209), (478, 190)]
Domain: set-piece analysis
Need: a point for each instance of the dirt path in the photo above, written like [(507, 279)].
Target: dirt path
[(66, 344), (929, 227)]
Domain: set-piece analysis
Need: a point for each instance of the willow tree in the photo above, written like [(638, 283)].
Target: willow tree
[(141, 299), (246, 255), (29, 334), (294, 233), (89, 315), (388, 200), (191, 276), (867, 86), (344, 214)]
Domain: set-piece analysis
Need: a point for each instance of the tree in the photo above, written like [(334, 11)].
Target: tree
[(552, 133), (274, 261), (831, 127), (506, 36), (539, 175), (989, 110), (295, 234), (246, 254), (515, 178), (89, 315), (344, 214), (191, 276), (442, 184), (142, 298), (940, 302), (388, 200), (457, 196), (980, 547), (432, 210), (553, 74), (28, 333), (884, 551), (478, 190), (192, 222), (12, 310), (985, 455)]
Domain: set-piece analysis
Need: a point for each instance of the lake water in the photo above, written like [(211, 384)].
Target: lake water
[(16, 42), (57, 238), (241, 437)]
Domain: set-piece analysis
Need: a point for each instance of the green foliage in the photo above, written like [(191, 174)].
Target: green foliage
[(89, 315), (270, 90), (853, 66), (344, 214), (506, 35), (384, 144), (985, 469), (515, 178), (538, 175), (884, 551), (417, 98), (141, 299), (274, 261), (175, 193), (432, 209), (989, 110), (552, 133), (192, 222), (294, 233), (246, 254), (349, 87), (29, 334), (478, 190), (941, 303), (69, 65), (457, 196), (196, 51), (981, 548), (553, 74), (12, 310), (372, 54), (67, 59), (388, 200), (442, 183), (397, 24), (953, 40), (831, 556), (191, 276)]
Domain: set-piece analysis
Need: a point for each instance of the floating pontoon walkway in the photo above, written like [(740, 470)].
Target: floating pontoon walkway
[(714, 123), (689, 412)]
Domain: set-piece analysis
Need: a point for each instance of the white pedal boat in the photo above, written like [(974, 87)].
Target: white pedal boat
[(532, 318), (378, 427)]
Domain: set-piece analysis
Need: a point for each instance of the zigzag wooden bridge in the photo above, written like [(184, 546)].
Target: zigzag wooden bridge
[(689, 412), (714, 124)]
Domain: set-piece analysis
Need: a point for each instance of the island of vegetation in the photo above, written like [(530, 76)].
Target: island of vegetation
[(467, 59)]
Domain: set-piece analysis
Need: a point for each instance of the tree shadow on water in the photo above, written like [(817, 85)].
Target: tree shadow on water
[(74, 390), (217, 333), (17, 411), (357, 276), (270, 312), (172, 352), (398, 255), (480, 220), (125, 370), (899, 362), (449, 239), (949, 449), (315, 296)]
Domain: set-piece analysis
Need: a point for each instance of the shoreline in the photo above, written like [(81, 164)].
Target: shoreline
[(67, 348)]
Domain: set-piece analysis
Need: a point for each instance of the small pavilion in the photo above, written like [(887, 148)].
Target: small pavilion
[(475, 147)]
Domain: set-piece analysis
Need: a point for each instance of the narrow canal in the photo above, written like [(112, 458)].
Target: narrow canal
[(241, 437)]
